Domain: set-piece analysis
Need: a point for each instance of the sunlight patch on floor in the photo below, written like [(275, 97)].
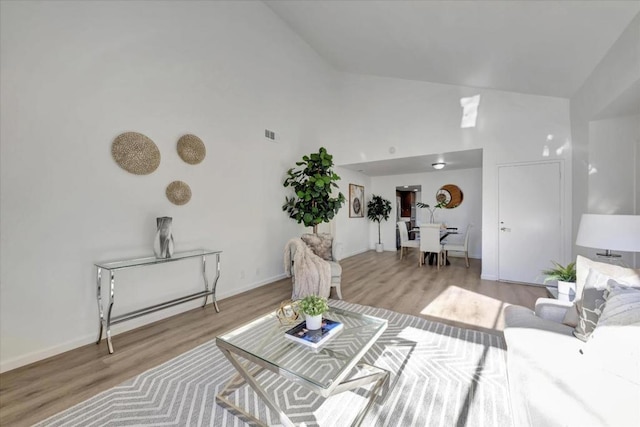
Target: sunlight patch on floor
[(462, 305)]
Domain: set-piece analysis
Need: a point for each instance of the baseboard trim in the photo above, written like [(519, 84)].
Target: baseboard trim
[(251, 286), (39, 355), (354, 253), (461, 255), (491, 277)]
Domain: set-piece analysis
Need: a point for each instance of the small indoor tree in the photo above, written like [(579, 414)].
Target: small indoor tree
[(378, 209), (312, 183)]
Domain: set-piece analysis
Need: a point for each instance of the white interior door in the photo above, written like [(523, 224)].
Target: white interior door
[(530, 220)]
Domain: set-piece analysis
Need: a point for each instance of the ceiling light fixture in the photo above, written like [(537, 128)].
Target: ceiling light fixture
[(438, 165)]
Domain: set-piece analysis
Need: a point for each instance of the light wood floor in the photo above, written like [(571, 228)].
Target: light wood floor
[(453, 295)]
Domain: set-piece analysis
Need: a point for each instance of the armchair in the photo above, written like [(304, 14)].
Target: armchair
[(324, 252)]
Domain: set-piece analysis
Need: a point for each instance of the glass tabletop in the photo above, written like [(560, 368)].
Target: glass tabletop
[(115, 265), (264, 339)]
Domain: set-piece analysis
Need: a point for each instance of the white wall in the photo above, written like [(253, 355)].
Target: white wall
[(469, 212), (613, 193), (73, 76), (418, 118), (615, 76)]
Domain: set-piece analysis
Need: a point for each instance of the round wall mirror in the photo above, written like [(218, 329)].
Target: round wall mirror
[(449, 196)]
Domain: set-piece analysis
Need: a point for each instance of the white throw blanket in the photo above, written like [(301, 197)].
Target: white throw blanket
[(312, 274)]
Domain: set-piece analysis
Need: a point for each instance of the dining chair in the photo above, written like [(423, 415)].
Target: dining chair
[(459, 246), (430, 242), (404, 238)]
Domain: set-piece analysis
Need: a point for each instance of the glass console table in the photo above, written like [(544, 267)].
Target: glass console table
[(112, 267)]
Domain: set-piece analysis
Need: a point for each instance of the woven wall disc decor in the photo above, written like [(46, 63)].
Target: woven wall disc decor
[(191, 149), (135, 153), (450, 196), (178, 193)]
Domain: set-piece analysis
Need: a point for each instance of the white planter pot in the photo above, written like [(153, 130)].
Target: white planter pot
[(379, 247), (313, 322), (567, 288)]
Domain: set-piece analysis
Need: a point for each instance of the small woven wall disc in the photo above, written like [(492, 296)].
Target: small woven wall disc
[(178, 193), (135, 153), (191, 149)]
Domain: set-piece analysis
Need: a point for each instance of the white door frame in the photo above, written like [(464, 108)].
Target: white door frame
[(565, 220)]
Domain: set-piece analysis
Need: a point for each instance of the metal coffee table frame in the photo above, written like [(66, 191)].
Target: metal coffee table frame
[(253, 365)]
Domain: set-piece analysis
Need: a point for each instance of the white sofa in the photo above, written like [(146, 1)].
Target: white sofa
[(555, 379)]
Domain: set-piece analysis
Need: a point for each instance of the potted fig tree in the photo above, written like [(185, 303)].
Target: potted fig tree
[(312, 181), (378, 209)]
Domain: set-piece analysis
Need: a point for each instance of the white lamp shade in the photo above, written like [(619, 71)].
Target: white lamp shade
[(612, 232)]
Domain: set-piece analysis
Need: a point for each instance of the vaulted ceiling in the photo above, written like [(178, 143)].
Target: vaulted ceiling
[(536, 47)]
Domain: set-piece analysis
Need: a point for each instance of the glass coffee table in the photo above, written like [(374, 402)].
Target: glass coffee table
[(333, 368)]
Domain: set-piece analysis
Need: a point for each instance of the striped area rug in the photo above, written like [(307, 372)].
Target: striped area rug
[(440, 376)]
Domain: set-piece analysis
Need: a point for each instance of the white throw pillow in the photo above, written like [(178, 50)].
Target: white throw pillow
[(615, 343), (626, 275)]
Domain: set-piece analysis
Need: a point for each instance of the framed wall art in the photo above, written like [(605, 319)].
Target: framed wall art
[(356, 201)]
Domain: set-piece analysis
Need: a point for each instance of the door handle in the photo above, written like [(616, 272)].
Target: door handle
[(505, 229)]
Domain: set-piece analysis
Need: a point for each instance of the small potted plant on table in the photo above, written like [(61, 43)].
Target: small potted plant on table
[(313, 306), (565, 275)]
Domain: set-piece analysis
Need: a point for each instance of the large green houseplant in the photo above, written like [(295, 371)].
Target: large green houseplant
[(312, 181), (378, 209)]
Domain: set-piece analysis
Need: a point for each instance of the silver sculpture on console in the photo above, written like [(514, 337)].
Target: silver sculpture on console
[(163, 242)]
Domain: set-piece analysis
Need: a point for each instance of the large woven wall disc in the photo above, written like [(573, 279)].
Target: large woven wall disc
[(135, 153), (178, 192), (191, 149)]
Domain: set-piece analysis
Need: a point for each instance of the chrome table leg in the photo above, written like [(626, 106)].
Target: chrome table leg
[(99, 298), (111, 300), (215, 283), (248, 377), (206, 281)]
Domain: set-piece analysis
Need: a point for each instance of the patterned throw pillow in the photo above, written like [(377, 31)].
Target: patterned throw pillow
[(623, 275), (590, 304), (320, 244), (622, 307), (571, 317)]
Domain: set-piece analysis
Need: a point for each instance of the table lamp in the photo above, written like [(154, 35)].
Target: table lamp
[(610, 232)]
